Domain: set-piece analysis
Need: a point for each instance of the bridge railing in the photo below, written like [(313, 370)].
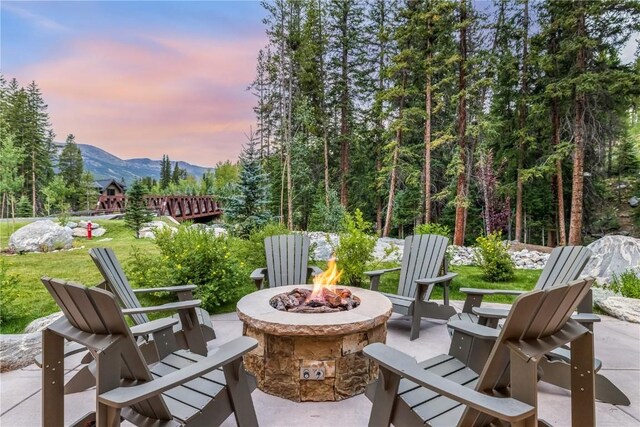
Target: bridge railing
[(182, 208)]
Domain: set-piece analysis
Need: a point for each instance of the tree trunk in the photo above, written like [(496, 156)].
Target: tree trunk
[(427, 140), (461, 196), (33, 183), (344, 116), (575, 228), (394, 165), (555, 123), (522, 120)]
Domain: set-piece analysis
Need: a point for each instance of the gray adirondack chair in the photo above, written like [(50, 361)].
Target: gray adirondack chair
[(423, 267), (287, 262), (194, 328), (443, 391), (183, 388), (564, 264)]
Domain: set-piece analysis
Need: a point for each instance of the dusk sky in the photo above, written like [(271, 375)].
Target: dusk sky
[(140, 79)]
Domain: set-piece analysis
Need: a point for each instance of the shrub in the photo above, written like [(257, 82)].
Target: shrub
[(355, 249), (192, 255), (492, 257), (8, 294), (251, 249), (433, 228), (627, 284)]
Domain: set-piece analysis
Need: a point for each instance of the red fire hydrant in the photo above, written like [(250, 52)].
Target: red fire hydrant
[(89, 230)]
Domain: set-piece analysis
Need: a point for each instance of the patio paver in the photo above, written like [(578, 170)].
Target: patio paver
[(617, 344)]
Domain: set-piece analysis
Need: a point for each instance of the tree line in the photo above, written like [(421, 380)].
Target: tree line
[(439, 111)]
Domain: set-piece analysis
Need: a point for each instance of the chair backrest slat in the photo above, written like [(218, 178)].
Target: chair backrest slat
[(564, 265), (102, 316), (287, 259), (110, 268), (422, 258)]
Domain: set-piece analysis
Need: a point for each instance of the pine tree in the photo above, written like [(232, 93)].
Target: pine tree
[(248, 208), (136, 212), (71, 167), (165, 172)]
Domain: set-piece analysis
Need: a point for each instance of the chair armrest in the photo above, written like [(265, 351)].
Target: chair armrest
[(172, 306), (476, 291), (440, 279), (153, 326), (314, 270), (401, 364), (258, 276), (586, 318), (491, 313), (126, 396), (473, 329), (374, 276), (182, 288)]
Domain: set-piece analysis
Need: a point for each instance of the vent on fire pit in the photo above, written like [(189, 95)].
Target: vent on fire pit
[(324, 298)]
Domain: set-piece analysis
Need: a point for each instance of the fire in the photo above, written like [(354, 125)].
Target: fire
[(326, 280)]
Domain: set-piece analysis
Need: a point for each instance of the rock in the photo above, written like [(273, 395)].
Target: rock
[(83, 232), (84, 224), (41, 236), (148, 229), (323, 244), (622, 308), (99, 232), (218, 231), (19, 350), (71, 224), (40, 324), (634, 202), (613, 254), (106, 239)]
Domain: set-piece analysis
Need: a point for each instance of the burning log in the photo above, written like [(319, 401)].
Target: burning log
[(302, 300)]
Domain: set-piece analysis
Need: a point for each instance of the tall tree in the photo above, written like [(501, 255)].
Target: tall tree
[(136, 212), (165, 172), (71, 167)]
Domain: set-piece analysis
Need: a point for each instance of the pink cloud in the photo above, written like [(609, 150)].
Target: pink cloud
[(180, 96)]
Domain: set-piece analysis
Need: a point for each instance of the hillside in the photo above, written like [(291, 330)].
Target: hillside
[(105, 165)]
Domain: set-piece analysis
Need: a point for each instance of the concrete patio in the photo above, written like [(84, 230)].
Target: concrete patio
[(617, 345)]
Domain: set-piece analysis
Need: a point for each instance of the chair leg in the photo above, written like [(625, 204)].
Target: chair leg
[(415, 325), (52, 378), (386, 389), (83, 379), (240, 394)]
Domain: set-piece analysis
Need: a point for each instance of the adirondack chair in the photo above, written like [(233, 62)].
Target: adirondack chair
[(423, 266), (443, 391), (564, 264), (194, 328), (183, 388), (287, 262)]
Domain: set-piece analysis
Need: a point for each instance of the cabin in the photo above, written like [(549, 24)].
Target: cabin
[(110, 187)]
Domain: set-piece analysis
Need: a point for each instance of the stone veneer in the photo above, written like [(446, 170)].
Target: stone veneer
[(289, 341)]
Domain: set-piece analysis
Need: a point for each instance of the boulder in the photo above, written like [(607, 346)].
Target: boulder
[(634, 202), (613, 254), (41, 236), (622, 308), (40, 324), (147, 231), (83, 224), (71, 224), (83, 232), (19, 350)]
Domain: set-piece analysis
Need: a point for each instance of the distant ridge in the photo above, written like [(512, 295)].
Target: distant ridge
[(105, 165)]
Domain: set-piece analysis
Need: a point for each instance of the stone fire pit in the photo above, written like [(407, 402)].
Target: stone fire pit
[(313, 356)]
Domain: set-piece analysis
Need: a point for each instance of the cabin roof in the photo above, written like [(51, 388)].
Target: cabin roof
[(101, 184)]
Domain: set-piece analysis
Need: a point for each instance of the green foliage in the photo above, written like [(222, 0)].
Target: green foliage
[(492, 257), (55, 195), (251, 249), (433, 228), (23, 208), (65, 215), (71, 168), (355, 249), (8, 294), (192, 255), (329, 219), (136, 213), (627, 284)]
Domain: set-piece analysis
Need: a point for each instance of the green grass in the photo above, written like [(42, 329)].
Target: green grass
[(33, 300)]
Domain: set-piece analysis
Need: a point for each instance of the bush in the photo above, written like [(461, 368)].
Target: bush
[(192, 255), (355, 249), (8, 294), (433, 228), (251, 249), (492, 257), (627, 284)]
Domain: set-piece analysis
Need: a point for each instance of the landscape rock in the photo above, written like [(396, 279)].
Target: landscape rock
[(83, 232), (634, 202), (622, 308), (19, 350), (84, 224), (613, 255), (41, 323), (71, 224), (41, 236), (149, 228)]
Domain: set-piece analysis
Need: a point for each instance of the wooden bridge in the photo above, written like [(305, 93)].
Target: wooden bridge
[(182, 208)]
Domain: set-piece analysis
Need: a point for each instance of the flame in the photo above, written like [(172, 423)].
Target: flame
[(326, 280)]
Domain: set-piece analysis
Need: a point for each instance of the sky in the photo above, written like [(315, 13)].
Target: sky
[(140, 79)]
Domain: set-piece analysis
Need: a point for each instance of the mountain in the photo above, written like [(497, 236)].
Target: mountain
[(105, 165)]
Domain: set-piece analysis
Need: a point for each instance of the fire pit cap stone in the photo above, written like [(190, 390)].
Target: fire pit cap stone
[(254, 310)]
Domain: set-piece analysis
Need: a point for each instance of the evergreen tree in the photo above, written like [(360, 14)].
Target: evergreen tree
[(71, 167), (10, 179), (136, 213), (178, 174), (248, 208), (165, 172), (88, 190)]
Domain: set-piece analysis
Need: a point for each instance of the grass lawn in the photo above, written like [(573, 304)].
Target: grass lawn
[(33, 300)]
